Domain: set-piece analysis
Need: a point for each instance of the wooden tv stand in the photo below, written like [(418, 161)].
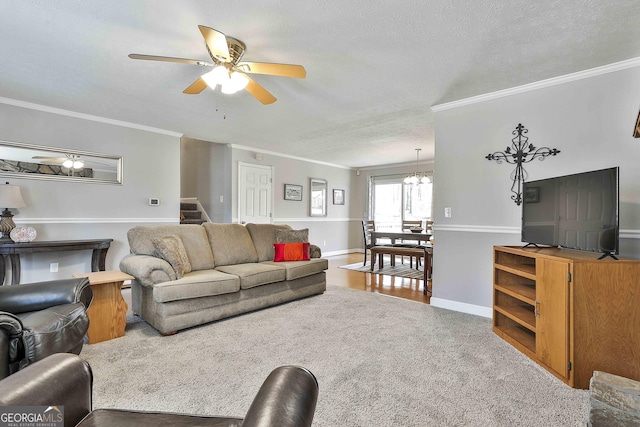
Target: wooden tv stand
[(570, 312)]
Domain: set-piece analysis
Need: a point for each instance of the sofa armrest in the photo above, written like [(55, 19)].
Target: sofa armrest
[(315, 251), (41, 295), (60, 379), (148, 270), (10, 336), (287, 398)]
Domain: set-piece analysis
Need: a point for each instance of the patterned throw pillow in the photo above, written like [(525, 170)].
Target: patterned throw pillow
[(291, 251), (171, 249), (292, 236)]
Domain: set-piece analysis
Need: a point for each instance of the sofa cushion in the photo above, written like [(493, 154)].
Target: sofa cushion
[(193, 236), (230, 244), (201, 283), (171, 249), (292, 236), (264, 236), (253, 274), (297, 269)]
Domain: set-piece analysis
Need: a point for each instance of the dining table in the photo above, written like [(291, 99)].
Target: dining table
[(396, 234)]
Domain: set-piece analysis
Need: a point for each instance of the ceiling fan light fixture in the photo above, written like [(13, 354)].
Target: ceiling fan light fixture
[(240, 81), (67, 163), (228, 89), (218, 76), (77, 164), (236, 83)]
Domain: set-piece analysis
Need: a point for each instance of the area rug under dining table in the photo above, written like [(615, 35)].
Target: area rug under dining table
[(399, 270)]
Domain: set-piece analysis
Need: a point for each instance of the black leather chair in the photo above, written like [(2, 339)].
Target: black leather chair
[(287, 398), (39, 319)]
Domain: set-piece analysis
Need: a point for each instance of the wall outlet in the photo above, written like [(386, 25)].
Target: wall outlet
[(447, 212), (53, 267)]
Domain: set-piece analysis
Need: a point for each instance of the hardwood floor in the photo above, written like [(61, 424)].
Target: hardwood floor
[(400, 287)]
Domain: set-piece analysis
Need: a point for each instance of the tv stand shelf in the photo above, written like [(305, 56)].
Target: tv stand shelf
[(568, 310)]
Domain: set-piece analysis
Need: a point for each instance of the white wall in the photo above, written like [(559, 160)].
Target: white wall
[(69, 210), (590, 120)]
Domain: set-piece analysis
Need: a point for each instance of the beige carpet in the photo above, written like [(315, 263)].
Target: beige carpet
[(400, 270), (380, 361)]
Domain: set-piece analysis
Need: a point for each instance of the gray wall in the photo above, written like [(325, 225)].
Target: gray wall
[(70, 210), (205, 169), (339, 231), (590, 120)]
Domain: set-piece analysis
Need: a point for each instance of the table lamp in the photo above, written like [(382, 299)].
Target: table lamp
[(10, 198)]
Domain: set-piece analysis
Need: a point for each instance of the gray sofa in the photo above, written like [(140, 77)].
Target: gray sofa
[(228, 270)]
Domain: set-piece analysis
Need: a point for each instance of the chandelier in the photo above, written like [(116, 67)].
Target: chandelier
[(417, 178)]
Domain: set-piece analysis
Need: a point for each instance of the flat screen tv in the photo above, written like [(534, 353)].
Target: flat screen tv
[(578, 211)]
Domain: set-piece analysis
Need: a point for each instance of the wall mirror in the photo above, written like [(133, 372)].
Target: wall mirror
[(318, 199), (19, 160)]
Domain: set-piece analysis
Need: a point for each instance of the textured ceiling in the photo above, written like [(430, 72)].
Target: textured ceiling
[(374, 69)]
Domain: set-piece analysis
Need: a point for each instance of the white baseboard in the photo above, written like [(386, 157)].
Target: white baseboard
[(463, 307), (340, 252)]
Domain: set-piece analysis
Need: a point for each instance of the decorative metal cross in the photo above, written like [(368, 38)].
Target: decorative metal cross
[(519, 153)]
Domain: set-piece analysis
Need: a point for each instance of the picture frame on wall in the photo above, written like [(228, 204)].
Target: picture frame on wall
[(338, 197), (531, 195), (636, 130), (293, 192)]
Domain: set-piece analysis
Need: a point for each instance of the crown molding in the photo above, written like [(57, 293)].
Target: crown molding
[(605, 69), (62, 112), (288, 156)]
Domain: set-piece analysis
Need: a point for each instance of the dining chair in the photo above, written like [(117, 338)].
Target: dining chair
[(408, 225), (367, 227), (429, 230)]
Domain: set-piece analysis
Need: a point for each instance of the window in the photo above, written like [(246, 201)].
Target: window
[(392, 201)]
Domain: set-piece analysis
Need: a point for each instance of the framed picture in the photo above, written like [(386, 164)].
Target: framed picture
[(636, 130), (293, 192), (338, 197), (531, 195)]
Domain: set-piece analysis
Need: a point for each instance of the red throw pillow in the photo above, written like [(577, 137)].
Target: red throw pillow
[(291, 252)]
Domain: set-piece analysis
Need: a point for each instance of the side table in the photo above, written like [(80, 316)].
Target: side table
[(108, 310)]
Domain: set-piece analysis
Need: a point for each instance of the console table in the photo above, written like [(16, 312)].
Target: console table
[(13, 251)]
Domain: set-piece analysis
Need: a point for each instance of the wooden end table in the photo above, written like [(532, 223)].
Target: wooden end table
[(108, 310)]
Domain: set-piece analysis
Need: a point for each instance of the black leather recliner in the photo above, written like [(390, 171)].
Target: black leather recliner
[(39, 319), (287, 398)]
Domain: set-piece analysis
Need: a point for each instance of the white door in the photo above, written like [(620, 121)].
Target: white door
[(255, 189)]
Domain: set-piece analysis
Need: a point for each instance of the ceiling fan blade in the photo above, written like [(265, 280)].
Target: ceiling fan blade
[(169, 59), (196, 87), (260, 93), (216, 43), (284, 70)]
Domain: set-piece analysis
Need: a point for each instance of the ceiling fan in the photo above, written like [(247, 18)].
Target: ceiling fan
[(228, 72)]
